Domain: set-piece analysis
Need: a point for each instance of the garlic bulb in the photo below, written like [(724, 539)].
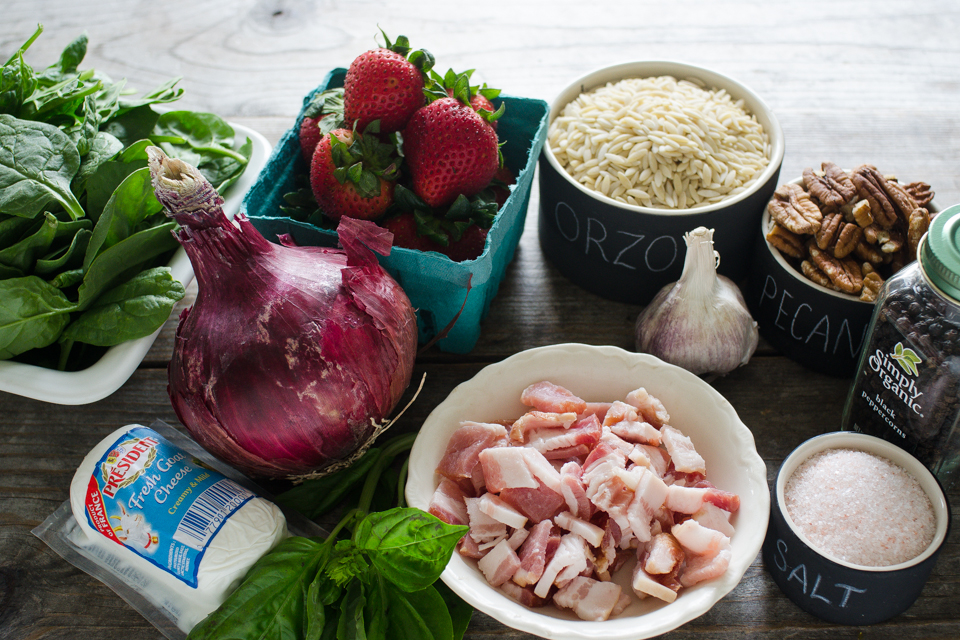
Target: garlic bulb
[(701, 321)]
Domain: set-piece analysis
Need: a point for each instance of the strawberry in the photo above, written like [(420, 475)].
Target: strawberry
[(385, 84), (404, 228), (353, 175), (321, 116), (500, 185), (450, 150), (458, 86)]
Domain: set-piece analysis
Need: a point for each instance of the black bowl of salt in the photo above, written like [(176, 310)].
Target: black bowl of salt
[(856, 526)]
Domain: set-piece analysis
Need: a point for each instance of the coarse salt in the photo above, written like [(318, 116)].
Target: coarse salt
[(860, 508)]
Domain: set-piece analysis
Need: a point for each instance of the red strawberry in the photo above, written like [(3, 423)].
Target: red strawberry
[(322, 115), (450, 150), (348, 178), (383, 84), (309, 136), (478, 101), (405, 234), (502, 180)]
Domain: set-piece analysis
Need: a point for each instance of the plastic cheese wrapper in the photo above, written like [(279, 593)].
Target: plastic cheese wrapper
[(165, 525)]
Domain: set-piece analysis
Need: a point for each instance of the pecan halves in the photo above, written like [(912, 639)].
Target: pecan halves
[(847, 241), (843, 272), (901, 198), (811, 271), (870, 253), (870, 186), (921, 192), (829, 230), (786, 241), (792, 207), (833, 189), (917, 225), (861, 213), (871, 287)]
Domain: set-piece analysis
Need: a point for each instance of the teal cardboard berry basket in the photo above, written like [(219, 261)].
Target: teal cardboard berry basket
[(437, 286)]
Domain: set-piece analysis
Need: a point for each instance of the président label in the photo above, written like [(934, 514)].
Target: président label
[(149, 496)]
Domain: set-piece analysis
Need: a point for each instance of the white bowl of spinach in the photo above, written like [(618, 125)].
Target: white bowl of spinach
[(89, 268)]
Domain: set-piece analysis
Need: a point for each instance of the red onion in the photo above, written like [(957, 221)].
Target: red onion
[(291, 357)]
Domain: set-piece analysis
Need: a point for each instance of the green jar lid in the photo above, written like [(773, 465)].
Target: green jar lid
[(940, 255)]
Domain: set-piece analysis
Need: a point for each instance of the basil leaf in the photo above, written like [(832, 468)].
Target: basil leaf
[(315, 497), (133, 202), (269, 602), (109, 268), (375, 613), (33, 313), (460, 611), (418, 615), (351, 626), (314, 613), (409, 547), (37, 163), (135, 309)]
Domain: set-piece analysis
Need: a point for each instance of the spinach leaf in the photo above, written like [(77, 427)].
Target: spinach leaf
[(315, 497), (12, 229), (418, 615), (269, 602), (111, 266), (10, 272), (60, 99), (70, 59), (83, 131), (102, 184), (409, 547), (37, 163), (207, 144), (103, 146), (130, 126), (17, 81), (23, 254), (67, 279), (166, 92), (32, 315), (131, 203), (132, 310), (68, 257)]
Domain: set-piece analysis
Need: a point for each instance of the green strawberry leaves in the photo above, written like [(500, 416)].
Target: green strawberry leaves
[(328, 107), (457, 85), (364, 161), (446, 227), (421, 58)]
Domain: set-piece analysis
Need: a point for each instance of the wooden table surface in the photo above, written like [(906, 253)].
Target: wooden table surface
[(850, 82)]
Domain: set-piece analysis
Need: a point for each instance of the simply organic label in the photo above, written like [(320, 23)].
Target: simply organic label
[(150, 497), (898, 373)]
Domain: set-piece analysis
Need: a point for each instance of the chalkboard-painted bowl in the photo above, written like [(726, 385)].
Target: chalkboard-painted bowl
[(628, 253), (820, 328), (835, 590)]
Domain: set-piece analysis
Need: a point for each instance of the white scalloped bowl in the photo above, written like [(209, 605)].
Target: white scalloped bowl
[(603, 374)]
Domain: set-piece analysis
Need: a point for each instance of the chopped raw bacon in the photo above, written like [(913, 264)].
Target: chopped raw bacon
[(550, 398), (533, 553), (540, 420), (589, 532), (649, 407), (680, 448), (495, 507), (560, 498), (584, 432), (588, 598), (618, 412), (448, 503), (698, 539), (691, 499), (700, 568), (637, 432), (537, 504), (465, 446), (573, 492), (571, 554), (663, 554), (523, 595), (500, 564)]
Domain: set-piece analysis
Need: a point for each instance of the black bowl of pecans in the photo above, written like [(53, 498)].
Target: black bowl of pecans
[(828, 241)]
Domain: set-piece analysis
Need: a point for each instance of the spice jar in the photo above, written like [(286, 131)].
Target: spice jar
[(907, 384)]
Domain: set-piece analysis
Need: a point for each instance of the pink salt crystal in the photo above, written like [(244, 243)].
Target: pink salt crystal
[(860, 508)]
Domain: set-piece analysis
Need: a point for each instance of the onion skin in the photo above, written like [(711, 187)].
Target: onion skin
[(290, 356)]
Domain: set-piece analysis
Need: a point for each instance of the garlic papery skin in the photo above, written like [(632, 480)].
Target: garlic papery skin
[(701, 321)]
